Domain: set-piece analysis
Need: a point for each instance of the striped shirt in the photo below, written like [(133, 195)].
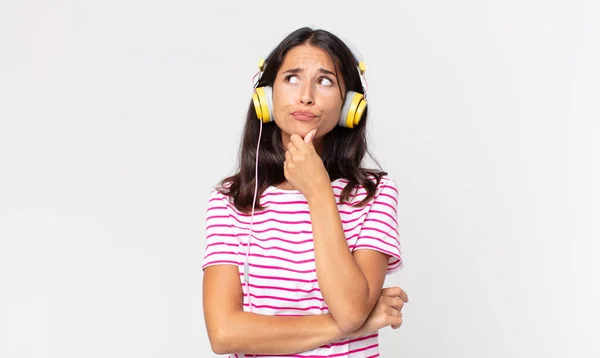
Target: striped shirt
[(282, 274)]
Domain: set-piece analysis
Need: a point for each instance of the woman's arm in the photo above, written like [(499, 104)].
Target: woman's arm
[(231, 330), (350, 283)]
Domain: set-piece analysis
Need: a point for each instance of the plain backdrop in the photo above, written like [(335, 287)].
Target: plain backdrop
[(117, 117)]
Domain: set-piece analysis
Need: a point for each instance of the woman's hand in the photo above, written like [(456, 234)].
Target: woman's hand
[(303, 167), (387, 312)]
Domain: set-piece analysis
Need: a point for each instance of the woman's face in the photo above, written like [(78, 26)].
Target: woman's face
[(306, 94)]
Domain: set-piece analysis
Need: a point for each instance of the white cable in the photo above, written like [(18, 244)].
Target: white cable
[(246, 263)]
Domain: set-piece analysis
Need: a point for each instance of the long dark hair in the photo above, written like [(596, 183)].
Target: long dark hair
[(343, 149)]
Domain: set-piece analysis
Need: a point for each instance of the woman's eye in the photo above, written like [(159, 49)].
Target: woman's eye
[(291, 78), (326, 81)]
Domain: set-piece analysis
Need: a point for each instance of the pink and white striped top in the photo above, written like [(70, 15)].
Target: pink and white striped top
[(283, 278)]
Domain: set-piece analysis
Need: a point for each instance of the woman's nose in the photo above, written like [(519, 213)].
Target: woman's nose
[(306, 94)]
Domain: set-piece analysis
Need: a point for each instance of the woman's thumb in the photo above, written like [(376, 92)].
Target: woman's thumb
[(310, 136)]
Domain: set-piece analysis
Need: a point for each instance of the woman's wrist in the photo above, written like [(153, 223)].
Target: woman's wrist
[(320, 196)]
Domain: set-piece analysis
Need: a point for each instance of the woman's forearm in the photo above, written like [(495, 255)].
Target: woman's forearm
[(341, 281), (250, 333)]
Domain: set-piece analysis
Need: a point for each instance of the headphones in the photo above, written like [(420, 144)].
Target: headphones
[(352, 110)]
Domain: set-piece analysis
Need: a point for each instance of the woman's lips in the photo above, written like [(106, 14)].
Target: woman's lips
[(303, 116)]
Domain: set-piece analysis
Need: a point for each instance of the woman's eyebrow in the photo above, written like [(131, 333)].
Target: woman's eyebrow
[(298, 70)]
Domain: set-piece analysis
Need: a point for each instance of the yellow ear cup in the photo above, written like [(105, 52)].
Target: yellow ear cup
[(257, 106), (359, 111), (261, 104), (355, 111)]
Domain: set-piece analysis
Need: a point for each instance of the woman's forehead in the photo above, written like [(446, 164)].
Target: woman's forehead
[(307, 56)]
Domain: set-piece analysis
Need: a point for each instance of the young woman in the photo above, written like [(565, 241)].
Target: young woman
[(299, 240)]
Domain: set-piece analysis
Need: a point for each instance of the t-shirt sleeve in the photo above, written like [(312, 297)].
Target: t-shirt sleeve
[(221, 244), (380, 228)]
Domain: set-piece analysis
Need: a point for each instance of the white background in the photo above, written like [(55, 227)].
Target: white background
[(117, 117)]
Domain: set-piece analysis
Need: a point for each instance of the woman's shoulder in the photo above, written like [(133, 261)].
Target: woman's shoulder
[(385, 181), (219, 191)]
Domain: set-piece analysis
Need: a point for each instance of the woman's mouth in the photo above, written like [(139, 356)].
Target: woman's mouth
[(303, 116)]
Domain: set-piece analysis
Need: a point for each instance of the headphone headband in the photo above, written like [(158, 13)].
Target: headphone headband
[(362, 67)]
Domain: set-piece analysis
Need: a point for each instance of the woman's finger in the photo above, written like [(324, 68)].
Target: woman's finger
[(298, 142), (391, 311), (291, 145), (397, 303), (395, 292), (293, 151), (394, 321), (393, 302)]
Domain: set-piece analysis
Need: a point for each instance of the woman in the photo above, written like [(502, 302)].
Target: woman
[(297, 251)]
